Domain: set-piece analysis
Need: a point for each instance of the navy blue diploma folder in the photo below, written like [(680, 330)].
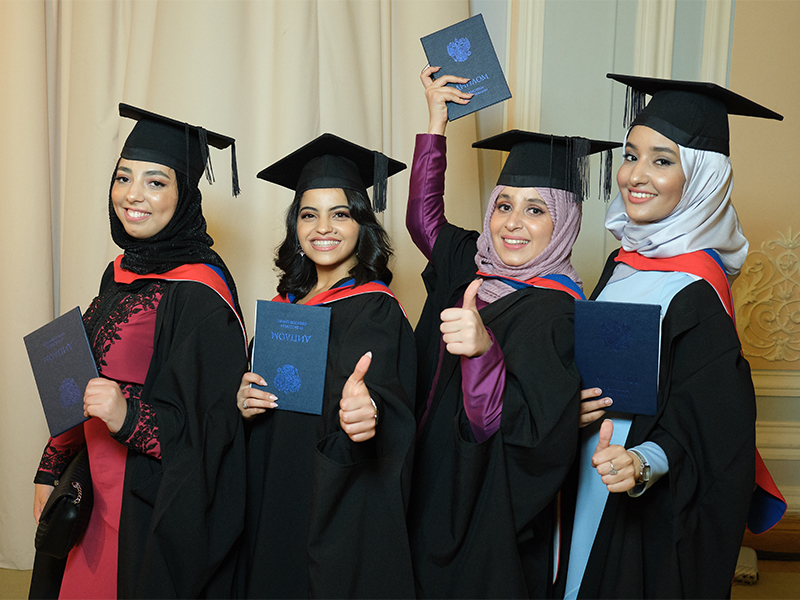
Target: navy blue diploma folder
[(465, 50), (290, 352), (62, 364), (616, 349)]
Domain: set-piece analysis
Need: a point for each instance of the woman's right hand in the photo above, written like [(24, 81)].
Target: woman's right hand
[(41, 495), (438, 93), (591, 410), (462, 329), (253, 401)]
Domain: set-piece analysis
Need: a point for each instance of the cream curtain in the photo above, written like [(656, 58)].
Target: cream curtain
[(272, 74)]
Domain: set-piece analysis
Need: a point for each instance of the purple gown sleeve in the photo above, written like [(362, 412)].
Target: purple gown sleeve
[(483, 381), (425, 212)]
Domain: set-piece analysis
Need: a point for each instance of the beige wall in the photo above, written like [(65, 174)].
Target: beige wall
[(765, 67)]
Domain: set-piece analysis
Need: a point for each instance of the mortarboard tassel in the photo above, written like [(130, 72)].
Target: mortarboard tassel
[(634, 104), (209, 169), (606, 172), (235, 171), (186, 128), (380, 175), (578, 166)]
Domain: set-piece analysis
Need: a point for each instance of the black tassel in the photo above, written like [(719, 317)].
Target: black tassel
[(235, 171), (634, 104), (380, 175), (186, 138), (606, 171), (578, 167), (206, 156)]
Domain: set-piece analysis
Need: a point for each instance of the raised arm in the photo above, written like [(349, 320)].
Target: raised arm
[(425, 213)]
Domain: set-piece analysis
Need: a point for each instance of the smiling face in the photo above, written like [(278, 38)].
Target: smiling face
[(326, 231), (651, 178), (144, 196), (521, 225)]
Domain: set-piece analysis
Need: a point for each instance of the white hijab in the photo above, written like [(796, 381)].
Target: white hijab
[(704, 217)]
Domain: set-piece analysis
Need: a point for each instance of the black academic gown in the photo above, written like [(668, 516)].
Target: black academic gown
[(482, 516), (182, 515), (681, 538), (326, 516)]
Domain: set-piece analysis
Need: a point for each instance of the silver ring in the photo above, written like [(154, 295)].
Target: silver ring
[(375, 406), (613, 471), (244, 405)]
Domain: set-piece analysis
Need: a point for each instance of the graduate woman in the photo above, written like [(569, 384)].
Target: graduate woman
[(498, 389), (327, 495), (681, 481), (166, 448)]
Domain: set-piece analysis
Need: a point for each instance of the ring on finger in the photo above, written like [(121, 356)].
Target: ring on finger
[(244, 405), (613, 471), (375, 406)]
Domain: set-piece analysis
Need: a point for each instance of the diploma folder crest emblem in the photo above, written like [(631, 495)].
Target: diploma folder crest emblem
[(287, 380), (458, 49)]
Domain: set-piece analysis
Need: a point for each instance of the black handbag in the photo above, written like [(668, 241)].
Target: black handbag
[(67, 511)]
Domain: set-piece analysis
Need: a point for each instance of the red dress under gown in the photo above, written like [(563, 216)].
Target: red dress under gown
[(123, 347)]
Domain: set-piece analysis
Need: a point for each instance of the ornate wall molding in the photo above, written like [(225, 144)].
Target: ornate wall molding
[(780, 384), (767, 298), (778, 440)]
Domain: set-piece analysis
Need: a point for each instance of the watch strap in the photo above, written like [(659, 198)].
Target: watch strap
[(643, 476)]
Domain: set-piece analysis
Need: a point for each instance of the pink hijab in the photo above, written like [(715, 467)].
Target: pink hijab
[(553, 260)]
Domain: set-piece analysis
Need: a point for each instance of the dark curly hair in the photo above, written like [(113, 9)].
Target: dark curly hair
[(373, 250)]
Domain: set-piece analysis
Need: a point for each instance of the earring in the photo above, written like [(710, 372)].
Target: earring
[(302, 254)]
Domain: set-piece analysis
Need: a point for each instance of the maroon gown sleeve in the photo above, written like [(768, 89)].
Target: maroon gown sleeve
[(483, 381), (425, 212)]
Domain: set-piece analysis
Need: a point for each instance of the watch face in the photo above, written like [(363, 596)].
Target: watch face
[(646, 473)]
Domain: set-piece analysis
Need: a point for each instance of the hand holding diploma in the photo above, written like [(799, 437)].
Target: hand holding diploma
[(103, 399), (252, 401), (358, 415), (591, 410), (463, 329), (438, 94)]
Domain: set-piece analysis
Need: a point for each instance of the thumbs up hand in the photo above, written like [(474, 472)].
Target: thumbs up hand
[(616, 466), (358, 415), (462, 328)]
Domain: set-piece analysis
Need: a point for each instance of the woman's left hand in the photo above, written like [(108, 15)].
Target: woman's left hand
[(616, 466), (463, 329), (103, 399), (358, 416)]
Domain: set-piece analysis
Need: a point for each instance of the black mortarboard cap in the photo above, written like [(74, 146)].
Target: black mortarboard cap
[(553, 161), (693, 114), (332, 162), (178, 145)]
